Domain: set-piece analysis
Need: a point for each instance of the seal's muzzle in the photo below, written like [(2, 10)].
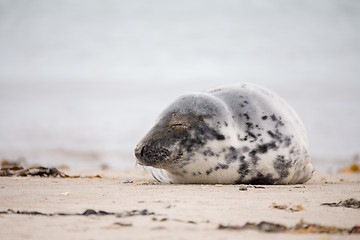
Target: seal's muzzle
[(151, 155)]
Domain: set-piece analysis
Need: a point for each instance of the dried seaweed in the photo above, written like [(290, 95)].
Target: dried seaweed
[(246, 187), (144, 212), (128, 181), (9, 169), (262, 227), (295, 208), (24, 212), (173, 219), (122, 224), (349, 203), (14, 169), (87, 212), (301, 227)]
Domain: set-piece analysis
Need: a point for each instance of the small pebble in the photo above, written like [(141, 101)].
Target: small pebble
[(123, 224), (243, 188)]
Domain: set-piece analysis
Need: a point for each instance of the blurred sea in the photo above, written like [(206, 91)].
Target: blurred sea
[(81, 82)]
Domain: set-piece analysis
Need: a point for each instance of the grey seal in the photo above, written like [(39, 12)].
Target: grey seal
[(234, 134)]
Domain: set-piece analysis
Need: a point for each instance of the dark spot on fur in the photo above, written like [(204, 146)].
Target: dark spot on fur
[(262, 179), (208, 152), (282, 166), (277, 120), (203, 133), (292, 150), (226, 124), (184, 161), (242, 139), (263, 148), (246, 116), (254, 158), (264, 117), (232, 155), (221, 166), (220, 137), (277, 135), (209, 171), (287, 141), (271, 134), (250, 134), (243, 170)]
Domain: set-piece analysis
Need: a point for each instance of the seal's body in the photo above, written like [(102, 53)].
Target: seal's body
[(232, 134)]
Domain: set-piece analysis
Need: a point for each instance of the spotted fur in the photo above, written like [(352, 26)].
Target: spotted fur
[(232, 134)]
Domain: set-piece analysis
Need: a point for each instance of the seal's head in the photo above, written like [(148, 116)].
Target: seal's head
[(181, 130)]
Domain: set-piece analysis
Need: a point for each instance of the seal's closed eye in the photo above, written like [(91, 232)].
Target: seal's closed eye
[(179, 126)]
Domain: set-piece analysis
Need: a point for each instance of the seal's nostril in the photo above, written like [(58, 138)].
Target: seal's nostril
[(142, 152), (139, 152)]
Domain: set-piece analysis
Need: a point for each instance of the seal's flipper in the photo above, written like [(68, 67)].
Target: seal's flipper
[(160, 175)]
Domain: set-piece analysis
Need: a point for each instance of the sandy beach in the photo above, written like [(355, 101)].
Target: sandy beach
[(82, 82), (144, 209)]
